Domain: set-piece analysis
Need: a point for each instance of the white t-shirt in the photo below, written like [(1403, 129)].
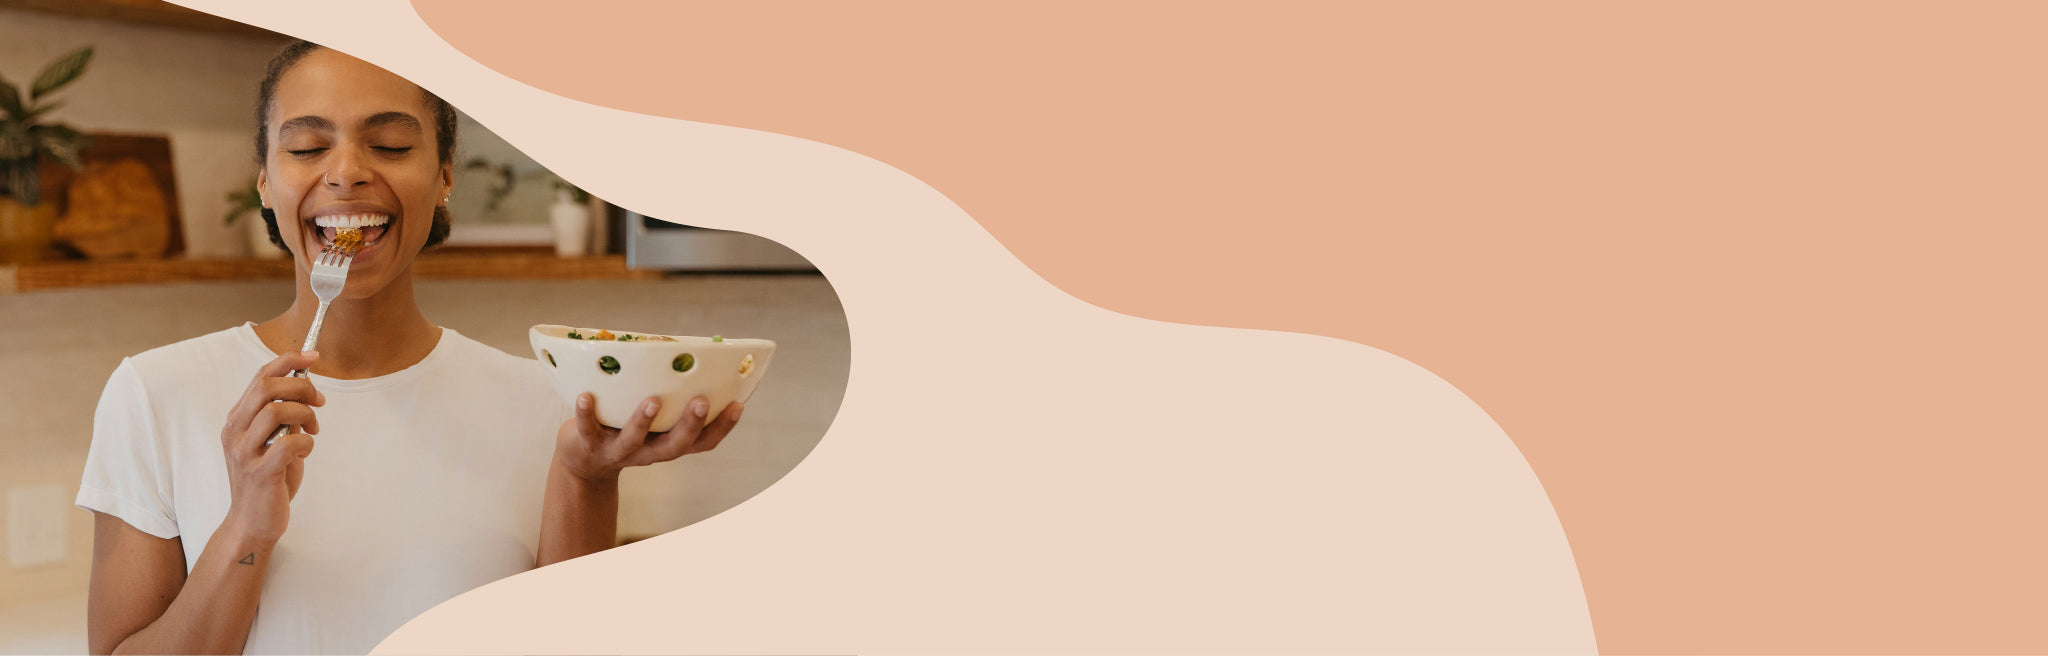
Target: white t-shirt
[(422, 484)]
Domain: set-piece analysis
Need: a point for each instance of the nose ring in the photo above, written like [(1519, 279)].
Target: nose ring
[(324, 177)]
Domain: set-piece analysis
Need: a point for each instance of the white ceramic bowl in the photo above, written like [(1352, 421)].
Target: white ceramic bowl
[(621, 374)]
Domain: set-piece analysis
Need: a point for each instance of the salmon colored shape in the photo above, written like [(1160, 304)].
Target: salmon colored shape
[(1013, 469), (1756, 287)]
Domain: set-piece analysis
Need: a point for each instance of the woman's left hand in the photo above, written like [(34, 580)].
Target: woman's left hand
[(594, 452)]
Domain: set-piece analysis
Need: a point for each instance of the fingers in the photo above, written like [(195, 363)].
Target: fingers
[(691, 435), (673, 444), (289, 447), (633, 435), (284, 364), (277, 414), (586, 420), (719, 428), (272, 383), (289, 453)]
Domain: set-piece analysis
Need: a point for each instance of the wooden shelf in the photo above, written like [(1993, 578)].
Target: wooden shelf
[(35, 276)]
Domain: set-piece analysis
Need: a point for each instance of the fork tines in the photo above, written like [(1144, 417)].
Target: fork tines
[(346, 242)]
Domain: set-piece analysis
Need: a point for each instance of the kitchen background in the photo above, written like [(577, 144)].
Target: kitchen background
[(188, 80)]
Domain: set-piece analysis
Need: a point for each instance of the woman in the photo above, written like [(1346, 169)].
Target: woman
[(436, 473)]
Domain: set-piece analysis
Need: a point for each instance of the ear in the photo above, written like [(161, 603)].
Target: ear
[(263, 185), (447, 178)]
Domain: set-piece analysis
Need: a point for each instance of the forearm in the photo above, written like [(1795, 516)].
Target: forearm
[(579, 517), (214, 610)]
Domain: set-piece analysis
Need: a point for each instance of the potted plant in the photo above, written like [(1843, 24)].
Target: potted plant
[(248, 202), (569, 215), (25, 138)]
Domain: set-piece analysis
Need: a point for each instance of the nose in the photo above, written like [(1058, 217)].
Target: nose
[(347, 171)]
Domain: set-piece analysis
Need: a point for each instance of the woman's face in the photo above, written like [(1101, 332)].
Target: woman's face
[(351, 142)]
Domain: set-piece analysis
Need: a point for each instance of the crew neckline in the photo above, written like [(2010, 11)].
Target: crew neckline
[(247, 331)]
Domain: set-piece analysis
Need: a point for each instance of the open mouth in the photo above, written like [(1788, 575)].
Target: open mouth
[(372, 225)]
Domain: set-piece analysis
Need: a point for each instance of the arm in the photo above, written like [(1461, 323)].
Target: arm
[(580, 515), (141, 601)]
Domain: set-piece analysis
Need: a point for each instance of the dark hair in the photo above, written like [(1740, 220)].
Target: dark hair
[(266, 96)]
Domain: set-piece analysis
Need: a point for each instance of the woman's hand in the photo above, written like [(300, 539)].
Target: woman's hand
[(593, 452), (263, 479)]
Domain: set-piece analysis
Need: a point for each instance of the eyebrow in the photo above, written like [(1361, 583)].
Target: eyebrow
[(400, 119)]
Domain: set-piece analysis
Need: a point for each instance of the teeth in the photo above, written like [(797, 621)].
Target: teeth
[(358, 220)]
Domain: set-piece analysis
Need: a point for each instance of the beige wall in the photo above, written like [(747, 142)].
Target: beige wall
[(197, 87), (62, 345)]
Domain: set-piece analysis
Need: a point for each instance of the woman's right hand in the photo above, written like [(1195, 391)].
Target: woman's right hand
[(263, 479)]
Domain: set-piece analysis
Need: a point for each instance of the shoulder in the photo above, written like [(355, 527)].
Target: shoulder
[(506, 374), (196, 363)]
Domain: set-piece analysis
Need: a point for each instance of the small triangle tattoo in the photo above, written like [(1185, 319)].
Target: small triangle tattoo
[(249, 559)]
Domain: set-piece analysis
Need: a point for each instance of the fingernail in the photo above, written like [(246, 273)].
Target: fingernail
[(653, 407), (699, 407), (583, 402), (312, 354)]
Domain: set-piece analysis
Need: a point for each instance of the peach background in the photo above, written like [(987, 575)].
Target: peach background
[(1756, 288), (1013, 470)]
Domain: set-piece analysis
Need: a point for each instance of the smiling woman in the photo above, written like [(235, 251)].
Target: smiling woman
[(338, 153), (446, 463)]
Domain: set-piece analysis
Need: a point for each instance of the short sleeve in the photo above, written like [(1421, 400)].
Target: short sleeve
[(128, 469)]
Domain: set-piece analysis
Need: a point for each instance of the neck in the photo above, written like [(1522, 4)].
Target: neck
[(361, 337)]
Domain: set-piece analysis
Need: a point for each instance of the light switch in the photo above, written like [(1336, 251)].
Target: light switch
[(35, 525)]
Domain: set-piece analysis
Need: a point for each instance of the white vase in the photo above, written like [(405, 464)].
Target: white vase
[(572, 225), (259, 236)]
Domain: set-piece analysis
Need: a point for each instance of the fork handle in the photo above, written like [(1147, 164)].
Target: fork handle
[(283, 428), (312, 338)]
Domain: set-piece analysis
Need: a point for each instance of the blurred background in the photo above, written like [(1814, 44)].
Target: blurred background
[(126, 164)]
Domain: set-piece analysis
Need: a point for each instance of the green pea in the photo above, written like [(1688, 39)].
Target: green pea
[(609, 364), (685, 361)]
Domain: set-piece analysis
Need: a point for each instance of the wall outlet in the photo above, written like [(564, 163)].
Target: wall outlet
[(36, 525)]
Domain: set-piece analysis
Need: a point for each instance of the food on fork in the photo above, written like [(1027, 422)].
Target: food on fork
[(367, 226), (346, 240)]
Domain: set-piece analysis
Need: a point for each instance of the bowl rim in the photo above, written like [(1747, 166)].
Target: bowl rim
[(693, 341)]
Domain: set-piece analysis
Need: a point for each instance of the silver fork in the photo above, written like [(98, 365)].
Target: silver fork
[(330, 274)]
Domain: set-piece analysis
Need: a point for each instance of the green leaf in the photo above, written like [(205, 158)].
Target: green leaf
[(17, 141), (63, 143), (38, 111), (61, 72), (10, 100), (240, 202)]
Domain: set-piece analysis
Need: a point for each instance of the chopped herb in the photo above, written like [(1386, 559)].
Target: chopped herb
[(718, 338), (609, 364), (574, 335)]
